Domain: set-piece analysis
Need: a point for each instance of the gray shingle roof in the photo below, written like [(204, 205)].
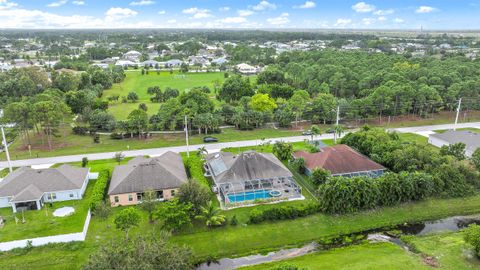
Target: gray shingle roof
[(249, 165), (469, 138), (26, 184), (163, 172)]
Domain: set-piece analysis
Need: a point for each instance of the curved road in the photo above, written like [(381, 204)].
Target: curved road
[(215, 146)]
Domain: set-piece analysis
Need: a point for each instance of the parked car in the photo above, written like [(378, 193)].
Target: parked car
[(307, 133), (210, 139), (330, 130)]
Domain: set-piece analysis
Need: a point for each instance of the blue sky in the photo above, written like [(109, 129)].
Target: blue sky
[(386, 14)]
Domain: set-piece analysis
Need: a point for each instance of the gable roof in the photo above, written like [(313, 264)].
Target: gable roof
[(338, 159), (163, 172), (469, 138), (26, 184), (249, 165)]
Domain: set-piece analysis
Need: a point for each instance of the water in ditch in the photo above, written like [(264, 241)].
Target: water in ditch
[(451, 224)]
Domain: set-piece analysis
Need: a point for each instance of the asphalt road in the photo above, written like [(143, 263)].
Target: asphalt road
[(209, 147)]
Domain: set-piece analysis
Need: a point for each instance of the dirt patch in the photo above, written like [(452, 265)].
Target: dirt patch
[(430, 261)]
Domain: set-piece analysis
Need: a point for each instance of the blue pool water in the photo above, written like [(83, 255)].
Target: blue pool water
[(249, 196)]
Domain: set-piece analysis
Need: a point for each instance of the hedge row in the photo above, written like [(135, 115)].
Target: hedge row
[(283, 212), (100, 188)]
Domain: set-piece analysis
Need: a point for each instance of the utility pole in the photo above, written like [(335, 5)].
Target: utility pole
[(338, 114), (458, 112), (186, 135), (6, 150)]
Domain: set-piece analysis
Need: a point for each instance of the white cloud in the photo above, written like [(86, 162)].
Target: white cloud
[(398, 20), (425, 9), (341, 22), (244, 12), (280, 20), (78, 3), (383, 12), (223, 9), (197, 13), (117, 13), (368, 21), (229, 20), (57, 4), (382, 18), (362, 7), (142, 3), (5, 4), (307, 4), (264, 5), (162, 12), (171, 21)]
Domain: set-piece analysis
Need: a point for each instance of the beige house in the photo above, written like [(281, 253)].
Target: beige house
[(163, 174)]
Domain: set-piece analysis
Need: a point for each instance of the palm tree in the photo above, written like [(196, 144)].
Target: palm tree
[(338, 131), (202, 151), (210, 213), (315, 130)]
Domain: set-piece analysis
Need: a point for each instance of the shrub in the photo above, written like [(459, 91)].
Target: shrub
[(78, 130), (99, 189), (96, 138), (234, 220), (299, 165), (84, 162), (283, 212), (471, 235), (116, 136)]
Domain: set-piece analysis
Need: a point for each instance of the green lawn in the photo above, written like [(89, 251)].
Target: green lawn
[(136, 82), (43, 223), (476, 130), (76, 144), (449, 249), (381, 256)]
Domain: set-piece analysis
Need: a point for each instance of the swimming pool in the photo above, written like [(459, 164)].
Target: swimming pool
[(249, 196)]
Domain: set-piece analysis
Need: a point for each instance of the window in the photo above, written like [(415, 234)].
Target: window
[(172, 192), (53, 196), (160, 194), (139, 196), (116, 199), (130, 198), (71, 195)]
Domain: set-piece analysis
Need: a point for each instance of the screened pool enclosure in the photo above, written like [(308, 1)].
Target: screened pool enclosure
[(249, 177)]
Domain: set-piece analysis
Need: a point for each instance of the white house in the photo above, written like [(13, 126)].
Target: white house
[(29, 189), (469, 138), (132, 56), (247, 69)]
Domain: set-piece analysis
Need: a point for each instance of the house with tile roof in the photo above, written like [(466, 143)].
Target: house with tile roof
[(340, 160), (164, 175), (29, 189)]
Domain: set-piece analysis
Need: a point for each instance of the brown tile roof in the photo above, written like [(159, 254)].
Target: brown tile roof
[(338, 159)]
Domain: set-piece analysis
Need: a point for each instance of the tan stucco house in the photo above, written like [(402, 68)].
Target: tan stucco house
[(163, 174)]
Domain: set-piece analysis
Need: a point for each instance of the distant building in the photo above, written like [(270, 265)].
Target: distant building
[(173, 63), (29, 189), (132, 56), (247, 69), (340, 160), (163, 174), (469, 138)]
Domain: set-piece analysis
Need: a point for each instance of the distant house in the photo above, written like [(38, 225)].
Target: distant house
[(101, 65), (340, 160), (163, 174), (250, 176), (247, 69), (149, 63), (469, 138), (125, 63), (132, 56), (220, 61), (173, 63), (29, 189)]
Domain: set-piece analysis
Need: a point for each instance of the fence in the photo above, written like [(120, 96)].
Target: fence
[(39, 241)]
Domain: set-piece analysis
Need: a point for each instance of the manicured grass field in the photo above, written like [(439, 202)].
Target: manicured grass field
[(449, 249), (365, 256), (43, 223), (136, 82)]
